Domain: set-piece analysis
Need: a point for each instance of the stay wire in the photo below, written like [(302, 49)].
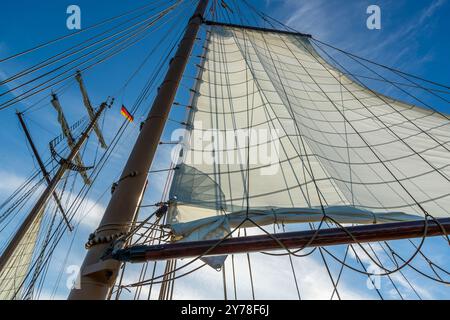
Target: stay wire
[(126, 33), (121, 45), (66, 53), (72, 34)]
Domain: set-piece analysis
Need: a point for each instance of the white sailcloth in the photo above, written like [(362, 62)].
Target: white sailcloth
[(276, 127), (16, 268)]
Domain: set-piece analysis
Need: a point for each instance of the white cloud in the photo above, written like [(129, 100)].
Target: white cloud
[(402, 284), (311, 17), (45, 295), (15, 92), (90, 214), (9, 182), (272, 279)]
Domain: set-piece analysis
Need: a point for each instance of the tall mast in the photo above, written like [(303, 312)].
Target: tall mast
[(42, 167), (43, 199), (97, 276)]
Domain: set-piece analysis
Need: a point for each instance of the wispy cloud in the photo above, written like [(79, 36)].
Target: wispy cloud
[(311, 17), (345, 27), (9, 182), (406, 34), (402, 284), (272, 279)]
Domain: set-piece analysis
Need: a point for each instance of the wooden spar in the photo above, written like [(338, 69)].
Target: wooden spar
[(239, 26), (290, 240), (43, 169), (68, 134), (48, 192), (98, 276), (90, 110)]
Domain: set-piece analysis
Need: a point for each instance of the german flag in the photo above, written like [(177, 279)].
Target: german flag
[(126, 114)]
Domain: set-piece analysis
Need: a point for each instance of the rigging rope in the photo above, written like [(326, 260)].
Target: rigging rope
[(72, 34)]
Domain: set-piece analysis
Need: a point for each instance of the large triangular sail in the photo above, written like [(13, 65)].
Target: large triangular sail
[(276, 128)]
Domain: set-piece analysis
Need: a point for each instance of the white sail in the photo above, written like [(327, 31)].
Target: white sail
[(18, 265), (317, 139)]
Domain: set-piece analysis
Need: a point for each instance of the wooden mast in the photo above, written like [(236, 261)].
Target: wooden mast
[(43, 169), (97, 276), (48, 192)]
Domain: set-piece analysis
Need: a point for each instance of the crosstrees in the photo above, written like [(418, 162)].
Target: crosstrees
[(90, 110), (68, 134)]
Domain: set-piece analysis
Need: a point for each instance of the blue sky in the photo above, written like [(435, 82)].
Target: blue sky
[(413, 38)]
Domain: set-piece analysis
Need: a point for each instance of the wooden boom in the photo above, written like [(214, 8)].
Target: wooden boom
[(291, 240)]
